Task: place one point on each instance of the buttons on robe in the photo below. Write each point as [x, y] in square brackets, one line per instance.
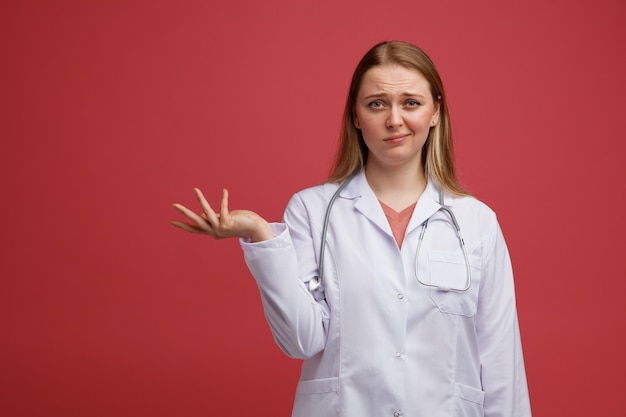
[398, 354]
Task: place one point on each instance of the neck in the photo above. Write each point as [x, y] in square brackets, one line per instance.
[399, 187]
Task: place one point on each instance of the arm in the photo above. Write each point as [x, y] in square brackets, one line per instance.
[297, 321]
[281, 267]
[502, 363]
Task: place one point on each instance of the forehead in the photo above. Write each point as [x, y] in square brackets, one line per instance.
[393, 79]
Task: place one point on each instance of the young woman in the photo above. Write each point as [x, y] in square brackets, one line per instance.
[391, 283]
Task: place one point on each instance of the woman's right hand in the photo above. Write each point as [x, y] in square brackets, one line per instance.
[237, 223]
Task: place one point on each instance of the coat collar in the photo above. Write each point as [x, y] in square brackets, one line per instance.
[367, 204]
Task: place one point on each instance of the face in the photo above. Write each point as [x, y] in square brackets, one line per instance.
[394, 110]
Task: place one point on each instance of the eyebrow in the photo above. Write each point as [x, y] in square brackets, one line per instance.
[379, 95]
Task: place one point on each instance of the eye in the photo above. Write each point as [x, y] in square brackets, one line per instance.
[376, 104]
[413, 103]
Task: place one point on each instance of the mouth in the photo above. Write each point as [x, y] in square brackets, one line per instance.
[396, 138]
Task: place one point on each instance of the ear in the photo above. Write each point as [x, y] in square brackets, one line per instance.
[355, 120]
[435, 118]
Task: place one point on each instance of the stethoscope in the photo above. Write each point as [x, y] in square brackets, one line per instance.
[315, 284]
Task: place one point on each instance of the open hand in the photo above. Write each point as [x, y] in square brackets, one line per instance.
[237, 223]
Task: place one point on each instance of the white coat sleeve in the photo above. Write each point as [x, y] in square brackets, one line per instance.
[502, 363]
[297, 320]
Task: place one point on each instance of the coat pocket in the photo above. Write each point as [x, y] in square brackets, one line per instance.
[448, 270]
[317, 397]
[468, 401]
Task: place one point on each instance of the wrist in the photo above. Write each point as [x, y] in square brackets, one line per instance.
[262, 231]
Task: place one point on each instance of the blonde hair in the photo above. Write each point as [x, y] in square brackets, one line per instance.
[438, 152]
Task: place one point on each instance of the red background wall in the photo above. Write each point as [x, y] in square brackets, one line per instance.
[113, 110]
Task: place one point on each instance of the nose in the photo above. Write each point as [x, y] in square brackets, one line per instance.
[394, 118]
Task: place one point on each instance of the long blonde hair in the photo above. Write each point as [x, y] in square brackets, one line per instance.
[438, 152]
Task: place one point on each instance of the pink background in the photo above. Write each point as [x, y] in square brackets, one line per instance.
[113, 110]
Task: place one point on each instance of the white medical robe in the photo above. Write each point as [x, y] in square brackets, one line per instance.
[379, 343]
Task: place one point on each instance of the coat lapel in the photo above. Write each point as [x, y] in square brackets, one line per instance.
[365, 202]
[427, 205]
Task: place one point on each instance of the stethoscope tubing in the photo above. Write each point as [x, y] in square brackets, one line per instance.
[457, 229]
[315, 283]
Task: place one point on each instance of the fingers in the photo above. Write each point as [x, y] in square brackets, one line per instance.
[208, 222]
[224, 204]
[209, 214]
[200, 225]
[187, 227]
